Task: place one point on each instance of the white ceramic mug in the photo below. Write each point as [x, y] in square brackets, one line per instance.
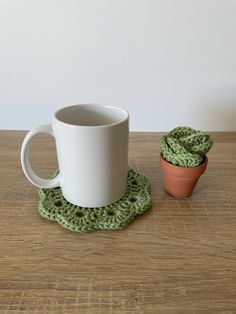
[92, 152]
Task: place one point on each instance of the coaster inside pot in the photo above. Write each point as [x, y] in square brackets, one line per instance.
[137, 199]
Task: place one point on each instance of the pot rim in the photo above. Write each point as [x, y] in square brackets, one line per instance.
[181, 171]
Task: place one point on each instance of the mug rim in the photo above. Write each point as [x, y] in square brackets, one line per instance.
[94, 105]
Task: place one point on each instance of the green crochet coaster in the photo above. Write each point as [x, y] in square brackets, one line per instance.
[137, 199]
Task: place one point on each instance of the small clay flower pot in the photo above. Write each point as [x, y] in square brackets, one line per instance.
[180, 181]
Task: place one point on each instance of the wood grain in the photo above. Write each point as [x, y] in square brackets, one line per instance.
[179, 257]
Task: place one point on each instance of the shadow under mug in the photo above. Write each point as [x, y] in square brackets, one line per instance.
[92, 152]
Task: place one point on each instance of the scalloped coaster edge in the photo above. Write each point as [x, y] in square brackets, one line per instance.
[136, 200]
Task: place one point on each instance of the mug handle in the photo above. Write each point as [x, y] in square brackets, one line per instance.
[25, 163]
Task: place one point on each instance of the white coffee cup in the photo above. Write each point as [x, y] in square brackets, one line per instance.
[92, 152]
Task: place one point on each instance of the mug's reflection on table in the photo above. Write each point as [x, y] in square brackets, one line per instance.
[178, 257]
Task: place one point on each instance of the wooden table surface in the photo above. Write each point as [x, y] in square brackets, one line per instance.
[178, 257]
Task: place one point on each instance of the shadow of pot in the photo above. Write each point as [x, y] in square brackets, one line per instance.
[180, 181]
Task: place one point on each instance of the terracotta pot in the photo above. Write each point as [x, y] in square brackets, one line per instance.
[180, 181]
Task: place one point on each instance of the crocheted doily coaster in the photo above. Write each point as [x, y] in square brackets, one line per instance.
[136, 200]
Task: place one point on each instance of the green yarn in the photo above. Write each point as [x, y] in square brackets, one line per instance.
[184, 146]
[136, 200]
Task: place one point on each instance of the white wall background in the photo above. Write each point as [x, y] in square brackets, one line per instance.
[168, 62]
